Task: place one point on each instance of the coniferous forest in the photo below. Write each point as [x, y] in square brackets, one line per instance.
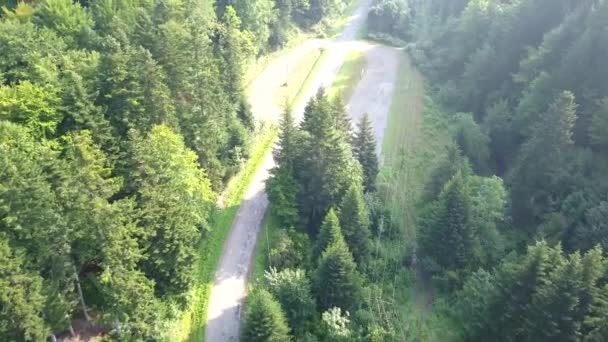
[510, 238]
[120, 122]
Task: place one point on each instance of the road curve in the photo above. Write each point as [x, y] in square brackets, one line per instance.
[230, 283]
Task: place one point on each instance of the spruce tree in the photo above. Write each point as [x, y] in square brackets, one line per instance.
[328, 234]
[175, 199]
[537, 180]
[337, 279]
[328, 166]
[354, 220]
[341, 119]
[364, 147]
[264, 319]
[21, 298]
[288, 147]
[447, 235]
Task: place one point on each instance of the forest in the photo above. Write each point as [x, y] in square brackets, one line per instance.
[510, 230]
[120, 123]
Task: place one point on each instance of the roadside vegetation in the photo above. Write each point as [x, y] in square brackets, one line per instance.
[121, 123]
[348, 77]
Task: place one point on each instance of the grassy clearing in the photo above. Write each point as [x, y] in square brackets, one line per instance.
[299, 78]
[191, 326]
[349, 76]
[414, 141]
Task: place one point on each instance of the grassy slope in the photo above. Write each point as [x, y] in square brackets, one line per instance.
[414, 142]
[349, 76]
[299, 79]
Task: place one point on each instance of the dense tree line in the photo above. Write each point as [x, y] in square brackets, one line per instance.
[322, 192]
[119, 123]
[525, 84]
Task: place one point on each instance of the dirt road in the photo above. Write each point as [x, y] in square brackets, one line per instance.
[230, 283]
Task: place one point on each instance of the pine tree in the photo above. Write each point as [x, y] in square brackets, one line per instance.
[264, 319]
[175, 200]
[329, 234]
[286, 154]
[364, 147]
[354, 220]
[328, 166]
[337, 279]
[21, 298]
[341, 119]
[282, 187]
[447, 236]
[536, 178]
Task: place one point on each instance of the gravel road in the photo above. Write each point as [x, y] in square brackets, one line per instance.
[230, 284]
[375, 90]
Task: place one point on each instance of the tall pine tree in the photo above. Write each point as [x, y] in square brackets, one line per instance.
[329, 234]
[354, 220]
[364, 147]
[264, 319]
[337, 279]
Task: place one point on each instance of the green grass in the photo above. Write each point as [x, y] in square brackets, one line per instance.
[299, 78]
[309, 77]
[268, 235]
[191, 326]
[414, 141]
[349, 76]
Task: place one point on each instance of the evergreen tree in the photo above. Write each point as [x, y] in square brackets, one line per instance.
[282, 187]
[447, 235]
[536, 179]
[364, 146]
[328, 234]
[337, 279]
[264, 319]
[132, 90]
[599, 125]
[354, 220]
[257, 16]
[288, 150]
[69, 19]
[472, 141]
[21, 299]
[292, 289]
[236, 48]
[175, 200]
[328, 166]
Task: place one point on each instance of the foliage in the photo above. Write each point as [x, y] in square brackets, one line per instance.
[329, 234]
[264, 319]
[175, 199]
[545, 295]
[336, 325]
[364, 146]
[337, 280]
[290, 250]
[354, 220]
[293, 290]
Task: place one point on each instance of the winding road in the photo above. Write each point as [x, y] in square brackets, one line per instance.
[373, 95]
